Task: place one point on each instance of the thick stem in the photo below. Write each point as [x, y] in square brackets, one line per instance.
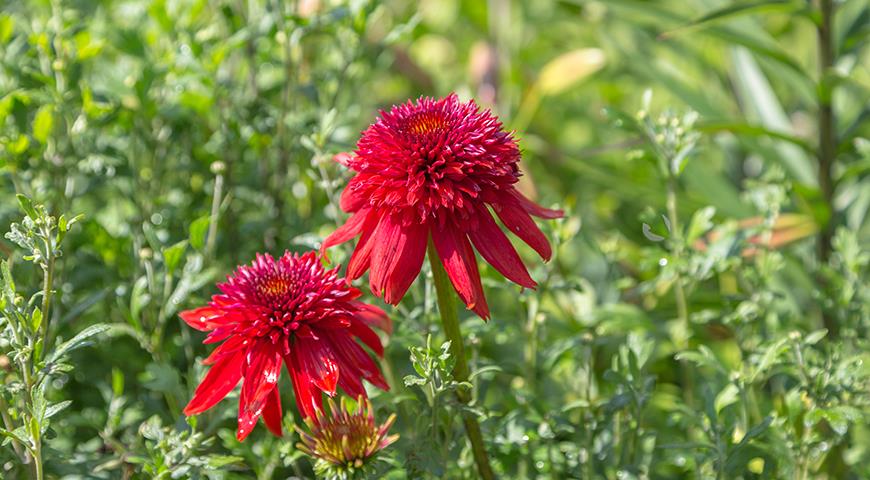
[827, 140]
[450, 322]
[47, 284]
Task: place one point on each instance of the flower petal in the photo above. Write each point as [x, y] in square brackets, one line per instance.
[204, 319]
[521, 224]
[272, 412]
[308, 400]
[366, 335]
[373, 316]
[397, 257]
[535, 209]
[351, 354]
[495, 247]
[317, 361]
[351, 199]
[459, 261]
[350, 229]
[221, 378]
[360, 259]
[261, 377]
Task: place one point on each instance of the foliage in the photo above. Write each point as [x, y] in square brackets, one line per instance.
[705, 314]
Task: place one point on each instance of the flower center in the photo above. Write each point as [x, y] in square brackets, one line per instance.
[426, 122]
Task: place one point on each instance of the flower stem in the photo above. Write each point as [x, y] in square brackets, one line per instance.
[679, 291]
[450, 322]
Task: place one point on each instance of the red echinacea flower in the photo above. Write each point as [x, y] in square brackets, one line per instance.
[434, 168]
[290, 311]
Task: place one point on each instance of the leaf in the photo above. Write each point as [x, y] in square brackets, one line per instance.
[172, 256]
[770, 355]
[218, 461]
[736, 10]
[198, 231]
[16, 435]
[759, 98]
[43, 123]
[27, 206]
[569, 68]
[700, 224]
[815, 337]
[726, 397]
[56, 408]
[647, 232]
[81, 339]
[481, 371]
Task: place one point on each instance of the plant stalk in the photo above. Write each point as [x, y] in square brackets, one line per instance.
[679, 290]
[827, 141]
[450, 322]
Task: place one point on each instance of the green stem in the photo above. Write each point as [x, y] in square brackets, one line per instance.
[827, 142]
[679, 291]
[450, 322]
[47, 284]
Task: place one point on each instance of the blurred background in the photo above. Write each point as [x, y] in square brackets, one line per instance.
[705, 314]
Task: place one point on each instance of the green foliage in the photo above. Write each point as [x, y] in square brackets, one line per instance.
[705, 315]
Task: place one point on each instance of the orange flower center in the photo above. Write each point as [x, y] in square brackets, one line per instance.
[426, 122]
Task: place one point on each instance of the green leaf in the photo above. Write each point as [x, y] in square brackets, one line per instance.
[700, 224]
[27, 206]
[43, 123]
[80, 340]
[172, 256]
[198, 231]
[727, 396]
[736, 10]
[36, 319]
[56, 408]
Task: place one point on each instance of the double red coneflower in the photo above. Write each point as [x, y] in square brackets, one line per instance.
[434, 169]
[288, 311]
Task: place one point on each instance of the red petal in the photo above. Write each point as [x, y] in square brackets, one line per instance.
[495, 247]
[521, 224]
[204, 318]
[350, 229]
[343, 158]
[229, 347]
[272, 412]
[222, 377]
[458, 259]
[397, 257]
[317, 360]
[308, 400]
[535, 209]
[361, 256]
[351, 354]
[261, 377]
[367, 336]
[351, 199]
[374, 316]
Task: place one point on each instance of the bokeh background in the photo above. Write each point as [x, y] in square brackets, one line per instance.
[192, 134]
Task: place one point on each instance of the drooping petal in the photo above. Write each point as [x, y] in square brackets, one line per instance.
[495, 247]
[261, 377]
[360, 259]
[374, 316]
[231, 346]
[317, 360]
[535, 209]
[272, 414]
[367, 336]
[350, 229]
[308, 399]
[397, 257]
[458, 259]
[518, 222]
[351, 354]
[221, 378]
